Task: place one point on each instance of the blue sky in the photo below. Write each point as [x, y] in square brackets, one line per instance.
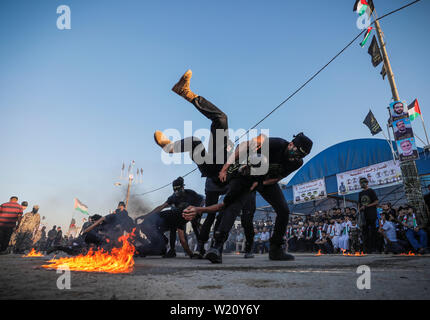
[75, 104]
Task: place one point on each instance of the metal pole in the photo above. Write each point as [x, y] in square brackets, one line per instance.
[409, 170]
[130, 179]
[425, 131]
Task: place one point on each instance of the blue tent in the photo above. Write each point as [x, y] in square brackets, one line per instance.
[346, 156]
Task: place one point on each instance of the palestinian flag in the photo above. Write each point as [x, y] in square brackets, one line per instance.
[366, 36]
[80, 206]
[414, 110]
[363, 6]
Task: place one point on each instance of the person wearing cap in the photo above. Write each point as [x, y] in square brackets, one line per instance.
[283, 158]
[10, 213]
[26, 230]
[367, 204]
[178, 201]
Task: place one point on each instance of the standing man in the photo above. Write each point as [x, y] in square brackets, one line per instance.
[24, 205]
[10, 213]
[368, 202]
[283, 158]
[58, 241]
[265, 237]
[52, 234]
[26, 230]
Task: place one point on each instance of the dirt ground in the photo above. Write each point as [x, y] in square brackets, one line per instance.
[308, 277]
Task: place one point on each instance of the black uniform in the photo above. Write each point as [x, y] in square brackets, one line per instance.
[178, 202]
[150, 238]
[214, 188]
[279, 167]
[370, 214]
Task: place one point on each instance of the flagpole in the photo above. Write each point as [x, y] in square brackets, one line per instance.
[130, 179]
[389, 137]
[411, 180]
[389, 143]
[425, 131]
[415, 135]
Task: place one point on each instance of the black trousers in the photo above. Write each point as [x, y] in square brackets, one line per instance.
[218, 144]
[274, 196]
[247, 218]
[369, 235]
[5, 234]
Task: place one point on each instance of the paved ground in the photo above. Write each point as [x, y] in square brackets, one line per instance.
[308, 277]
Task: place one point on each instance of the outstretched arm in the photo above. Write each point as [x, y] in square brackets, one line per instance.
[95, 224]
[184, 243]
[242, 149]
[191, 212]
[159, 208]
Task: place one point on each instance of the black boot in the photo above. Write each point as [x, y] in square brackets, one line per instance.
[214, 254]
[276, 252]
[170, 254]
[248, 250]
[201, 249]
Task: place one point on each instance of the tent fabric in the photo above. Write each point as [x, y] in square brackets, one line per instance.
[342, 157]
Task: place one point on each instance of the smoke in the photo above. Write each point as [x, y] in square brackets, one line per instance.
[137, 206]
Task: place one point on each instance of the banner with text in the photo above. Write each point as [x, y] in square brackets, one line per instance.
[380, 175]
[309, 191]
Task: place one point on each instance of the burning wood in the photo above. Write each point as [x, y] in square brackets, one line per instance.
[33, 253]
[119, 260]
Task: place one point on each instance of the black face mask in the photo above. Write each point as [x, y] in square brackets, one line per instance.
[179, 192]
[292, 155]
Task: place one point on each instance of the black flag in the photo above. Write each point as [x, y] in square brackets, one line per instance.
[374, 52]
[372, 124]
[383, 72]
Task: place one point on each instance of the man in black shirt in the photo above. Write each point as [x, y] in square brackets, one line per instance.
[150, 238]
[283, 158]
[368, 202]
[178, 201]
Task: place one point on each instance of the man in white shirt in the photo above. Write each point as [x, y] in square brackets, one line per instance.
[338, 227]
[344, 238]
[265, 236]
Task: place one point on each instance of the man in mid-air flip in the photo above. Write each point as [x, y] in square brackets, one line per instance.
[283, 158]
[209, 162]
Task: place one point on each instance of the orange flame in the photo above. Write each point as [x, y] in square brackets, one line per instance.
[357, 254]
[410, 253]
[33, 253]
[319, 253]
[119, 260]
